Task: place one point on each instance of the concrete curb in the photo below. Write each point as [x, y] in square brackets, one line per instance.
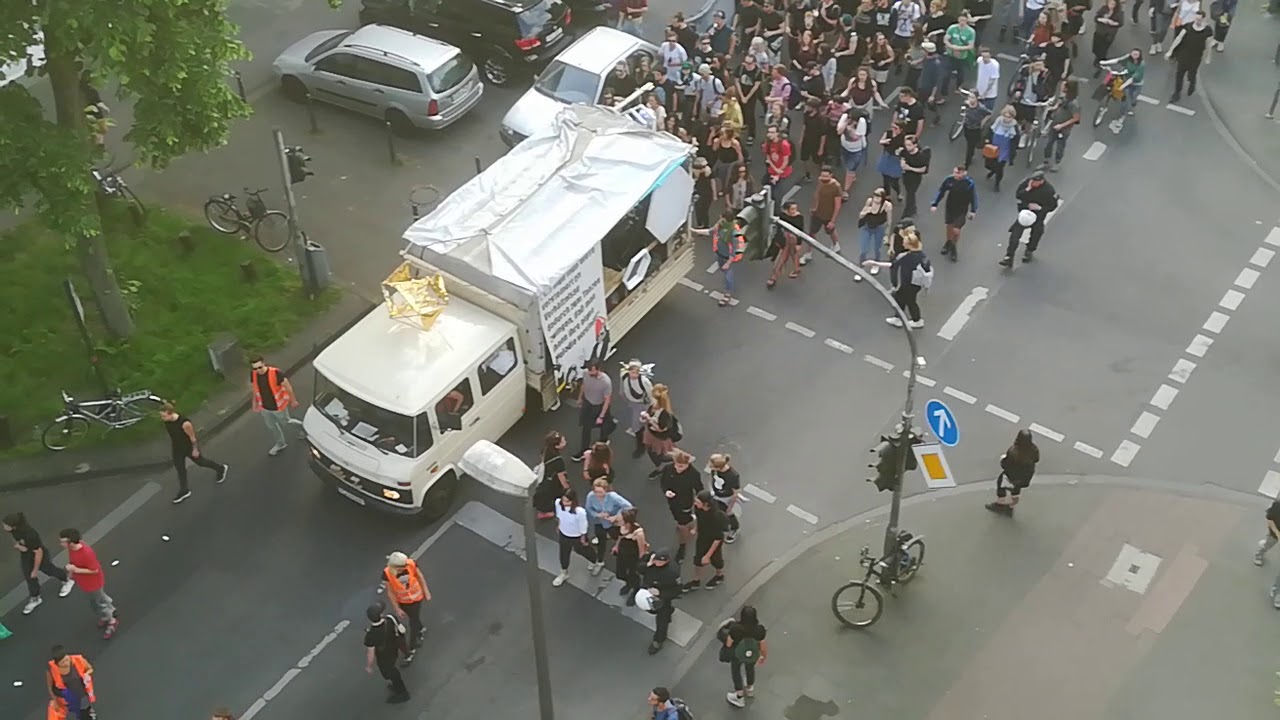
[1211, 109]
[698, 647]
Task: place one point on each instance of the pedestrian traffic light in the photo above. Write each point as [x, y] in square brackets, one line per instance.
[913, 439]
[297, 159]
[756, 221]
[886, 465]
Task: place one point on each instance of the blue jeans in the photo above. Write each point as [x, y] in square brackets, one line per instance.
[953, 65]
[1130, 98]
[631, 26]
[1055, 145]
[728, 273]
[869, 243]
[988, 103]
[1029, 18]
[1160, 21]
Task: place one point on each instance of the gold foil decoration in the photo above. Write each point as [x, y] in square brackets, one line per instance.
[416, 301]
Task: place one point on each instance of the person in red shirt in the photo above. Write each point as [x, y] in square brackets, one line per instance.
[83, 567]
[778, 157]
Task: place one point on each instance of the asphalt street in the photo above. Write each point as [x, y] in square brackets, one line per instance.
[255, 574]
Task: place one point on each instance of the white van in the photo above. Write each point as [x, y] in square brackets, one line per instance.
[395, 404]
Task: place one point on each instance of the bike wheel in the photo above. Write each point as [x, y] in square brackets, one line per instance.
[137, 211]
[64, 432]
[1101, 115]
[271, 231]
[914, 558]
[957, 130]
[222, 216]
[1032, 142]
[857, 604]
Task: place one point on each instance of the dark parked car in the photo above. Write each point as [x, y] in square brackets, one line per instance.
[508, 39]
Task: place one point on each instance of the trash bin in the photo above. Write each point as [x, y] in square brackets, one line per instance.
[317, 268]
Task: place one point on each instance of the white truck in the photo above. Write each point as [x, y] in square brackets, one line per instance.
[547, 257]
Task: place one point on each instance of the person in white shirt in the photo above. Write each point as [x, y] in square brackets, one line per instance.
[672, 55]
[571, 518]
[852, 129]
[905, 14]
[988, 84]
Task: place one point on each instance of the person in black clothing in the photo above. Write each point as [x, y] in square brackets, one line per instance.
[620, 83]
[720, 34]
[182, 436]
[902, 272]
[961, 195]
[709, 534]
[384, 640]
[726, 488]
[1017, 467]
[661, 578]
[686, 34]
[744, 648]
[1189, 49]
[746, 23]
[1057, 59]
[1272, 535]
[34, 559]
[1037, 195]
[749, 79]
[680, 483]
[915, 163]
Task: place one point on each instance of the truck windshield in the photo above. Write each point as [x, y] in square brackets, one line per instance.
[385, 430]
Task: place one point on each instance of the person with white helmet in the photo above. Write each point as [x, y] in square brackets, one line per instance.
[407, 590]
[1036, 199]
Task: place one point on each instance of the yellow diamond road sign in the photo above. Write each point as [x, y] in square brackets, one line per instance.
[934, 467]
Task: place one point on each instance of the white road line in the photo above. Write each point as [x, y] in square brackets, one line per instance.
[1002, 413]
[1216, 322]
[1262, 257]
[1182, 371]
[1179, 109]
[1199, 345]
[1231, 300]
[1043, 431]
[1148, 100]
[837, 345]
[1125, 454]
[800, 329]
[109, 522]
[762, 314]
[956, 322]
[886, 366]
[1089, 450]
[1095, 151]
[1273, 237]
[713, 268]
[1276, 459]
[1247, 278]
[1010, 58]
[927, 382]
[1145, 423]
[718, 296]
[759, 492]
[691, 284]
[959, 395]
[1164, 397]
[803, 514]
[1270, 484]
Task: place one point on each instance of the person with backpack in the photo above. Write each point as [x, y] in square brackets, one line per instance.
[743, 647]
[1017, 467]
[910, 272]
[636, 384]
[961, 196]
[662, 429]
[665, 707]
[384, 640]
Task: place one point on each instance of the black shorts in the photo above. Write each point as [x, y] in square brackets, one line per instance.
[717, 557]
[682, 517]
[1025, 113]
[958, 220]
[809, 151]
[817, 224]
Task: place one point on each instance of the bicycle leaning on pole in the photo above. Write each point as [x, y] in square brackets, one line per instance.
[859, 603]
[269, 228]
[116, 411]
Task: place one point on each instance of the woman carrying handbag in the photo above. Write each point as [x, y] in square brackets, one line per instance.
[1017, 467]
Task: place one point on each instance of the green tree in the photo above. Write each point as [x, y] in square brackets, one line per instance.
[170, 58]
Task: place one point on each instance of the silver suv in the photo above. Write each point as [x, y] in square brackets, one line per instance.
[407, 80]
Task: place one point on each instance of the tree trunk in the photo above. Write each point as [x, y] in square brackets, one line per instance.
[64, 78]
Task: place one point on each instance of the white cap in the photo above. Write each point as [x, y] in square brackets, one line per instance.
[704, 69]
[928, 46]
[397, 559]
[644, 600]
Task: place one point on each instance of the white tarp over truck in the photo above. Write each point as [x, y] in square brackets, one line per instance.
[582, 225]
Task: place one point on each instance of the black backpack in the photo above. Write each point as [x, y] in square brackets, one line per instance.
[682, 709]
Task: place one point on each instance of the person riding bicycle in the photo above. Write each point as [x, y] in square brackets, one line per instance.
[1134, 70]
[1030, 90]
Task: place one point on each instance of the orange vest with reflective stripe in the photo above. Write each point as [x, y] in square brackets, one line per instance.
[734, 246]
[78, 666]
[277, 389]
[405, 593]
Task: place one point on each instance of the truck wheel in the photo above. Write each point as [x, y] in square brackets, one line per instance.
[440, 497]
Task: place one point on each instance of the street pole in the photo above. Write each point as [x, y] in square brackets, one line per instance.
[908, 407]
[546, 710]
[295, 235]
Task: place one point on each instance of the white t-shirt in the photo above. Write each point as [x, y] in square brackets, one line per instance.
[673, 56]
[573, 523]
[988, 79]
[858, 141]
[908, 14]
[1187, 10]
[1035, 5]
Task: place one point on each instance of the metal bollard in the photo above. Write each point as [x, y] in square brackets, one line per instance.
[186, 244]
[248, 272]
[311, 115]
[1271, 113]
[240, 86]
[479, 167]
[391, 144]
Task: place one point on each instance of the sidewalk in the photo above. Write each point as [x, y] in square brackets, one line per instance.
[1239, 84]
[1103, 599]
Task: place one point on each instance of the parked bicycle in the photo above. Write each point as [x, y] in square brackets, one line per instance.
[269, 228]
[116, 411]
[859, 603]
[114, 187]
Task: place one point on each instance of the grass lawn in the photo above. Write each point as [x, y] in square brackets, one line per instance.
[180, 303]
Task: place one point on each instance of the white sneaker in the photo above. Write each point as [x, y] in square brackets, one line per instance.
[560, 579]
[31, 605]
[805, 258]
[735, 699]
[275, 449]
[875, 270]
[915, 324]
[597, 568]
[893, 321]
[66, 588]
[835, 247]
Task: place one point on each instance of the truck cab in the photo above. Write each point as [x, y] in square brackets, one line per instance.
[396, 405]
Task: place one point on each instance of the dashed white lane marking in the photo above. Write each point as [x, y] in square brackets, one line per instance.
[954, 324]
[1095, 151]
[713, 268]
[1199, 345]
[718, 296]
[691, 284]
[1148, 100]
[927, 382]
[1179, 109]
[1002, 413]
[757, 491]
[1273, 237]
[1010, 58]
[1262, 257]
[1125, 454]
[1043, 431]
[1145, 423]
[1216, 322]
[1164, 396]
[886, 366]
[803, 514]
[1089, 450]
[800, 329]
[1276, 459]
[837, 345]
[1246, 278]
[762, 314]
[1182, 371]
[1270, 484]
[959, 395]
[1231, 300]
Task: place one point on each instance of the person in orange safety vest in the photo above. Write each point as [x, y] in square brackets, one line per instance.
[272, 397]
[70, 682]
[407, 590]
[728, 244]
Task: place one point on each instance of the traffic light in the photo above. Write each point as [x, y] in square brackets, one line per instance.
[756, 221]
[886, 465]
[913, 439]
[297, 159]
